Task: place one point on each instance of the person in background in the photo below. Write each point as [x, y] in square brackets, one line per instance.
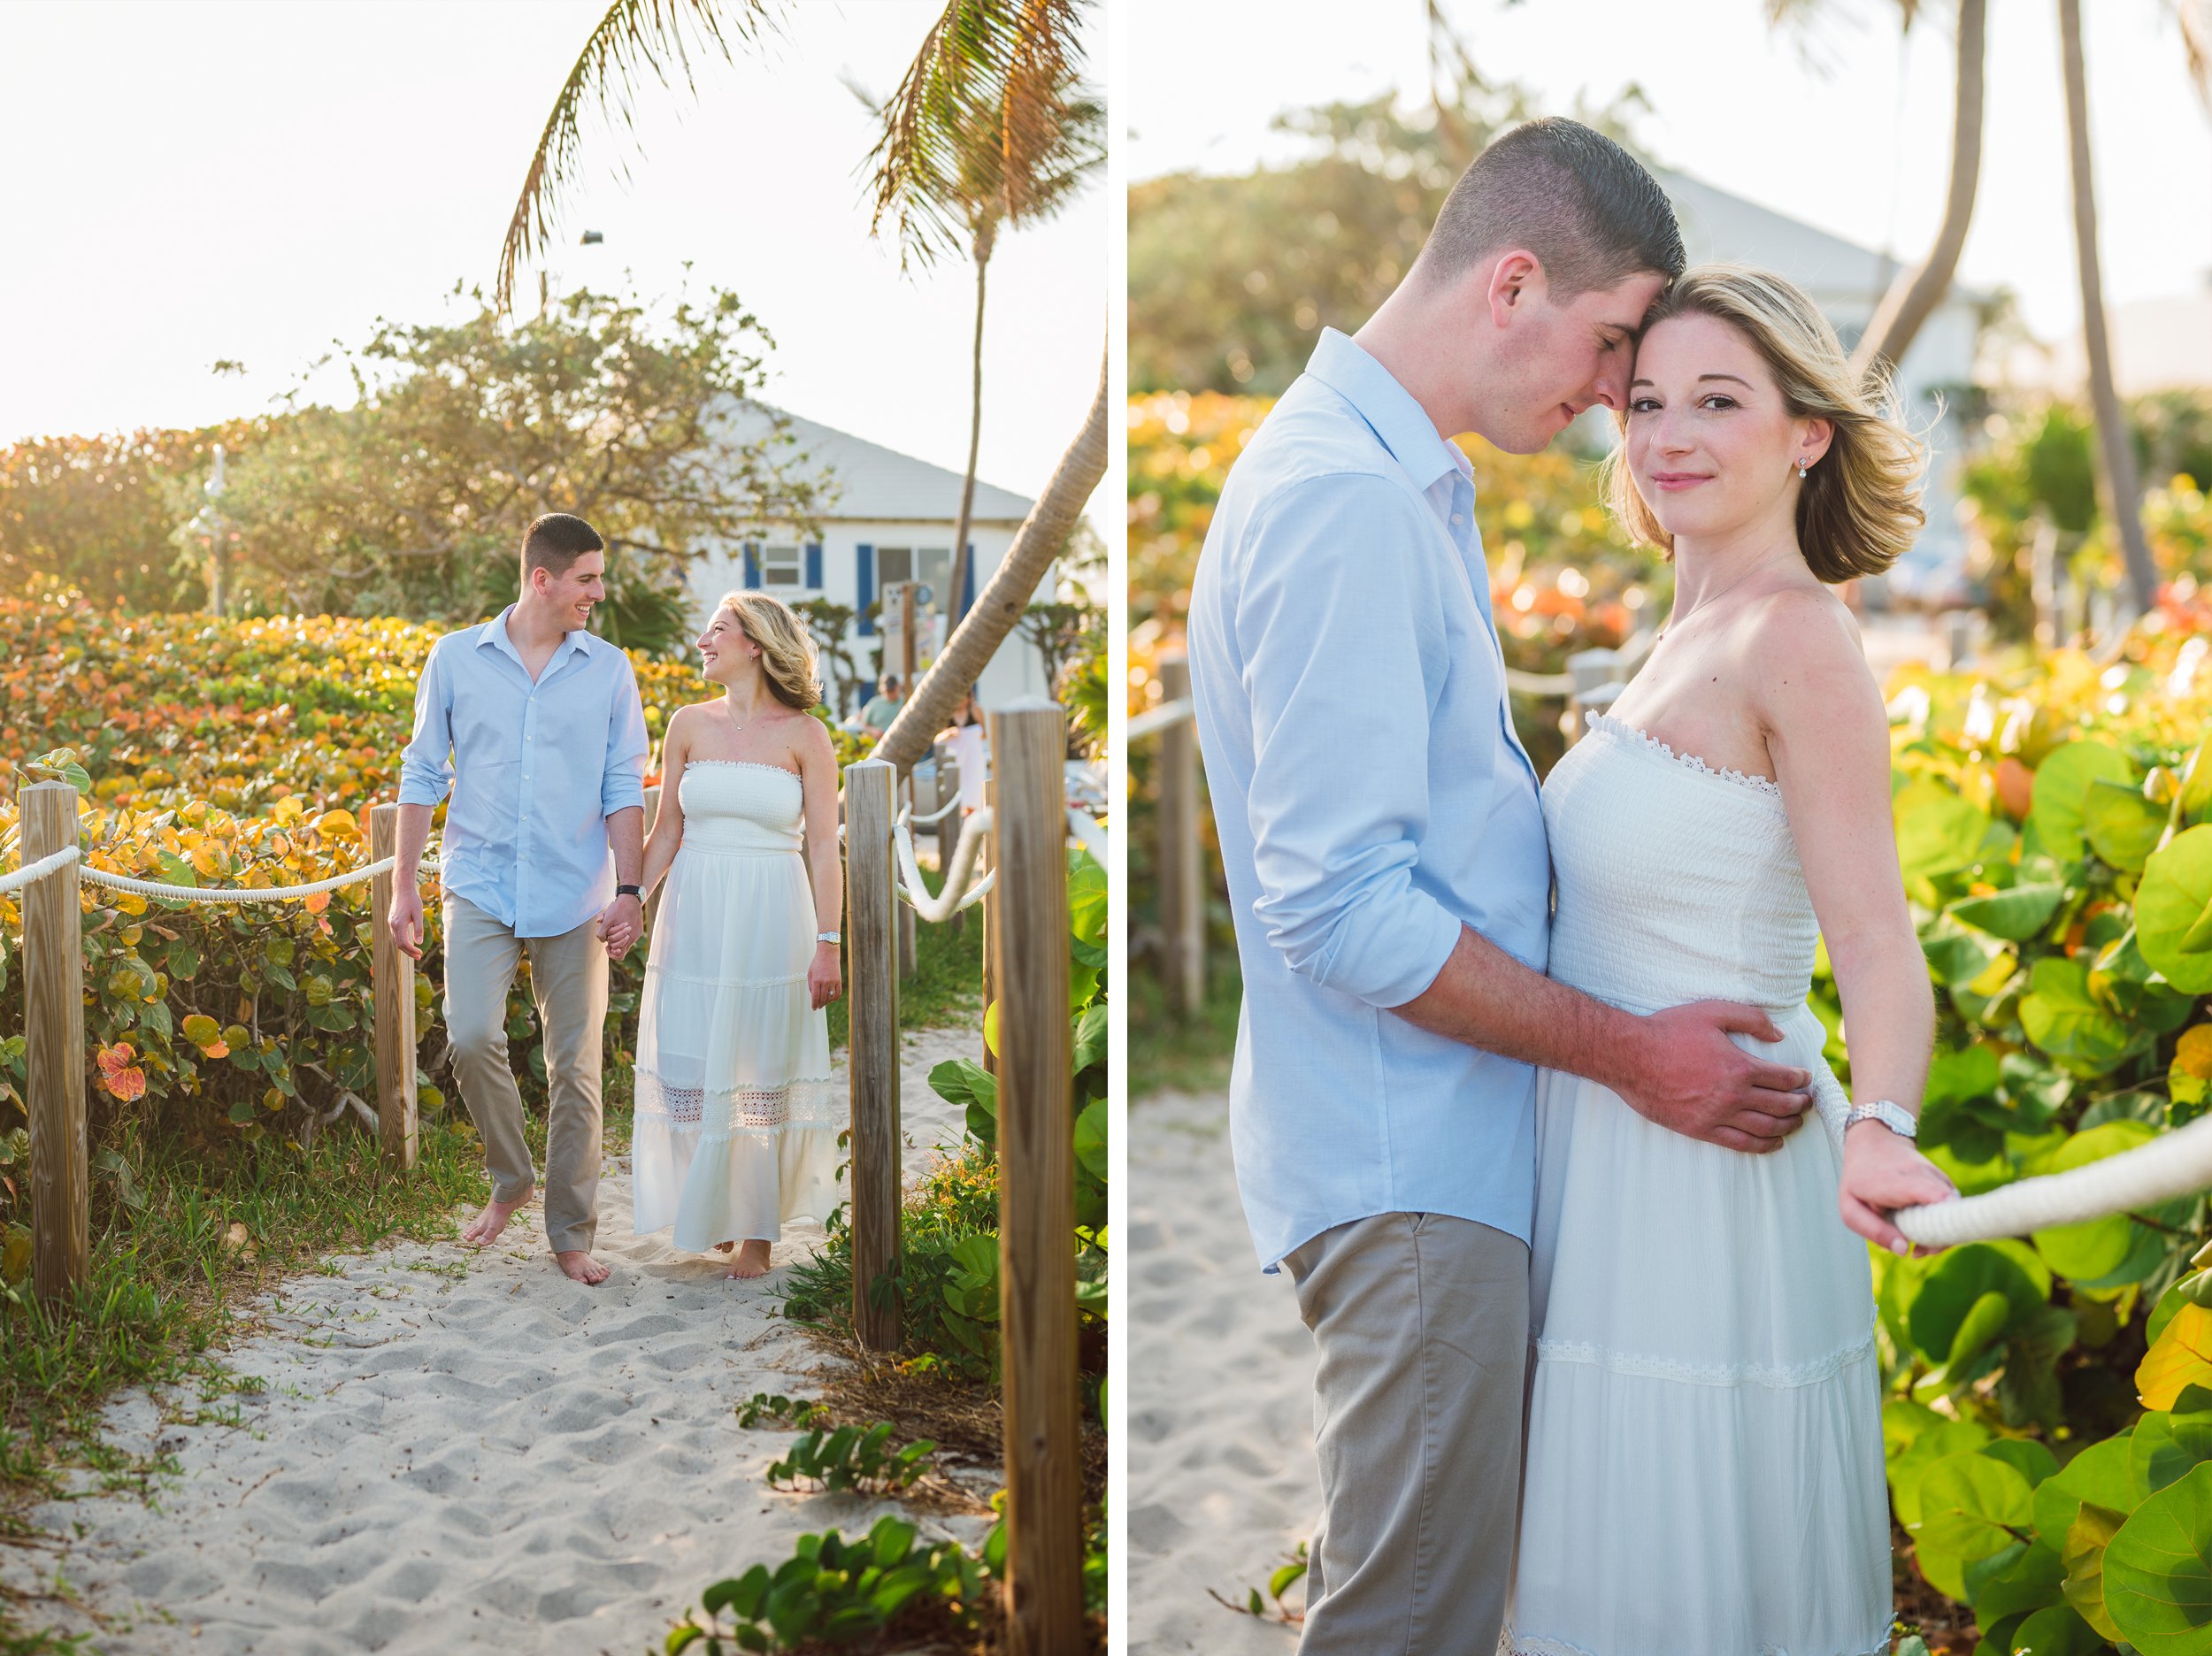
[963, 737]
[884, 706]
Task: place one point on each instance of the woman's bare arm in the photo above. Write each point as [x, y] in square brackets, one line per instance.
[668, 826]
[1828, 735]
[818, 785]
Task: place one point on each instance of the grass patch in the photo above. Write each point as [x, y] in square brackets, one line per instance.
[947, 986]
[1190, 1055]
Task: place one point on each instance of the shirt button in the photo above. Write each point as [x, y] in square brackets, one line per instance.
[1457, 520]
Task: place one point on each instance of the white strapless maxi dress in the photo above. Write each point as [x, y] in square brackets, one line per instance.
[737, 1120]
[1704, 1464]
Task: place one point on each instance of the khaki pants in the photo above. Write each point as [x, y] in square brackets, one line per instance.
[568, 977]
[1422, 1322]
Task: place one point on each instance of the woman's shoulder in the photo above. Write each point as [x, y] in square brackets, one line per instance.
[1807, 656]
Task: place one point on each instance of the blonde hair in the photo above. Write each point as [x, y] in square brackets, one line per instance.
[787, 652]
[1858, 509]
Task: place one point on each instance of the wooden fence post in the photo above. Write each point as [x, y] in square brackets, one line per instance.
[1036, 1152]
[1182, 888]
[872, 1060]
[53, 1017]
[392, 975]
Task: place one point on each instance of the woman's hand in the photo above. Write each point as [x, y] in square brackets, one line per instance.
[824, 982]
[1882, 1172]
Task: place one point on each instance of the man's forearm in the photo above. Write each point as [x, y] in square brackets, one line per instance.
[1485, 998]
[414, 834]
[625, 837]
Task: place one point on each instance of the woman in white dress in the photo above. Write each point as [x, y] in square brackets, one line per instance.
[737, 1122]
[1704, 1473]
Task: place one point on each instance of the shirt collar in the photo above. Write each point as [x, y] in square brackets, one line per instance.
[496, 633]
[1387, 407]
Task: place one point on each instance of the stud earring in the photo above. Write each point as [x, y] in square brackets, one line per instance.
[1802, 464]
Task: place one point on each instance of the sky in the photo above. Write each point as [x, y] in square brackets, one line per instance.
[1847, 129]
[196, 181]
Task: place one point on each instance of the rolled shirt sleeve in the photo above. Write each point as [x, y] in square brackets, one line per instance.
[426, 770]
[1340, 793]
[622, 783]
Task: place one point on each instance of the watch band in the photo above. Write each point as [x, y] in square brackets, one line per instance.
[1894, 1116]
[828, 937]
[628, 891]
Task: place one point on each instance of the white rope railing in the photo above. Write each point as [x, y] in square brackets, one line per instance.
[1532, 684]
[953, 898]
[2178, 1163]
[1088, 833]
[1152, 721]
[233, 893]
[52, 864]
[937, 815]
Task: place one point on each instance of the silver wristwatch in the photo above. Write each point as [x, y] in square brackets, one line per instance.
[1894, 1116]
[827, 937]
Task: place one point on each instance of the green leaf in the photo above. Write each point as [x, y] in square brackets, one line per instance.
[2084, 1559]
[2170, 907]
[2164, 1448]
[2032, 1580]
[1090, 1139]
[2058, 809]
[1971, 1506]
[1090, 1038]
[2066, 1021]
[60, 765]
[2015, 915]
[2099, 1474]
[1960, 1279]
[1984, 1320]
[2124, 827]
[2028, 1390]
[2058, 1631]
[2158, 1570]
[1938, 833]
[2087, 1252]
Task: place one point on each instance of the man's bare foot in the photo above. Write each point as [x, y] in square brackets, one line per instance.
[581, 1267]
[752, 1259]
[485, 1227]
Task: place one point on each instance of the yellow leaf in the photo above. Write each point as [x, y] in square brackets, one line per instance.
[338, 822]
[2193, 1053]
[2180, 1357]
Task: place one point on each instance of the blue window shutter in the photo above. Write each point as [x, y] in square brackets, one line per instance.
[814, 566]
[865, 587]
[967, 586]
[752, 564]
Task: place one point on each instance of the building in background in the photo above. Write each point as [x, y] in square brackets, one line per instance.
[886, 518]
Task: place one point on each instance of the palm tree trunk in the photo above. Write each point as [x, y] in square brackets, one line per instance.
[975, 437]
[999, 606]
[2115, 448]
[1912, 298]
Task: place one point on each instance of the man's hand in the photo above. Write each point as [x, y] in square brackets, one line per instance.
[1883, 1172]
[405, 921]
[1690, 1078]
[621, 924]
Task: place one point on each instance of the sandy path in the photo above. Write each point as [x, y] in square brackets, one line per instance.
[460, 1451]
[1222, 1482]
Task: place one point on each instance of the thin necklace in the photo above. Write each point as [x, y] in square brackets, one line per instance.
[1707, 604]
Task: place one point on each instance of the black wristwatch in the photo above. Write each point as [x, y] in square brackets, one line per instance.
[628, 891]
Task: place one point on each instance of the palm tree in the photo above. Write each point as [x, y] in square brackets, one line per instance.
[943, 173]
[1912, 297]
[1000, 66]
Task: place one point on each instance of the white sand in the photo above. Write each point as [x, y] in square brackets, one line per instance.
[1222, 1481]
[460, 1451]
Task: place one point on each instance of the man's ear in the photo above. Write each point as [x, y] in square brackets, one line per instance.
[1514, 279]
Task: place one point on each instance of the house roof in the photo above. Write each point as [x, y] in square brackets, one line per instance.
[1718, 226]
[866, 482]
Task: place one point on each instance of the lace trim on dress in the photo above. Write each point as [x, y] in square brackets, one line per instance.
[750, 1110]
[1776, 1375]
[1645, 739]
[752, 764]
[1510, 1643]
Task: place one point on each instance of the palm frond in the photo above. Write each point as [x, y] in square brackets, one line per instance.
[988, 108]
[636, 38]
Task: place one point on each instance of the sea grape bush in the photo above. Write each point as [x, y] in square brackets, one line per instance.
[2049, 1409]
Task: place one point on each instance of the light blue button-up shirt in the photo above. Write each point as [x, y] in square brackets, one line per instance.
[535, 769]
[1371, 798]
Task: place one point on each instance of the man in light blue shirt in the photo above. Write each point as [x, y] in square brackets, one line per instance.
[1384, 846]
[537, 727]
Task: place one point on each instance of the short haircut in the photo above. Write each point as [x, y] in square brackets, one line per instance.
[554, 541]
[1582, 204]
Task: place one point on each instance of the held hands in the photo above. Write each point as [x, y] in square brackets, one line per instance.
[824, 982]
[1883, 1172]
[1690, 1078]
[621, 924]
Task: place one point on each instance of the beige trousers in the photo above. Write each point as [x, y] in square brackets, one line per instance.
[568, 978]
[1422, 1322]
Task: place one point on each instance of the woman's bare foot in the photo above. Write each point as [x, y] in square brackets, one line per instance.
[723, 1247]
[579, 1266]
[485, 1227]
[752, 1259]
